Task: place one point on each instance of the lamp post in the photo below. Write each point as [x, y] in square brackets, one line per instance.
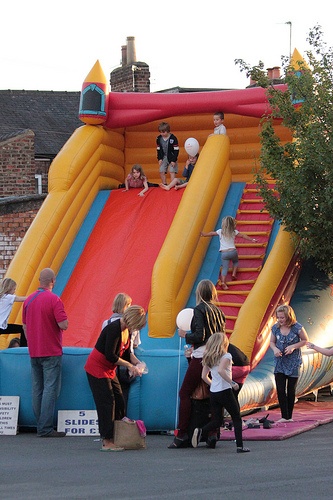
[290, 29]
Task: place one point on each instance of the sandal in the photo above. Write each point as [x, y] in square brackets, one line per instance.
[114, 448]
[224, 286]
[179, 443]
[264, 420]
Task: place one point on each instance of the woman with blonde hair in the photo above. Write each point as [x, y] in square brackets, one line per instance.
[217, 373]
[287, 338]
[207, 319]
[7, 299]
[110, 351]
[120, 303]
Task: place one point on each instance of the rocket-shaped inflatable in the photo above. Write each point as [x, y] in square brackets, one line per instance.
[94, 97]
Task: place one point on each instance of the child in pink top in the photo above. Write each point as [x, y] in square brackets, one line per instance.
[137, 179]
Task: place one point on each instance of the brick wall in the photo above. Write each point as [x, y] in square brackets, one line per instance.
[19, 198]
[17, 165]
[16, 216]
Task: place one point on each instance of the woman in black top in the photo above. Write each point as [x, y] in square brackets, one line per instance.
[111, 350]
[207, 320]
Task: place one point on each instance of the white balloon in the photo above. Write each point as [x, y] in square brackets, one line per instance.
[191, 146]
[184, 319]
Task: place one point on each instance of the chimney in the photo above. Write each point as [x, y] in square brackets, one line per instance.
[270, 73]
[131, 53]
[132, 75]
[274, 73]
[123, 55]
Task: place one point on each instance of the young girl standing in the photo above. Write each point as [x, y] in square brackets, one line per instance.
[7, 299]
[287, 338]
[218, 362]
[227, 235]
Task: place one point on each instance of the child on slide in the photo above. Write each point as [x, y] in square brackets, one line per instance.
[227, 235]
[187, 172]
[136, 179]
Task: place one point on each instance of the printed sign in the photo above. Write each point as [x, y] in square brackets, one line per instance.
[9, 408]
[78, 422]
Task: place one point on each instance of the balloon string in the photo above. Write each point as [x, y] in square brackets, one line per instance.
[178, 382]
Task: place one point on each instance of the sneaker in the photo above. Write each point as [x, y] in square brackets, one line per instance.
[243, 450]
[54, 434]
[251, 421]
[196, 437]
[253, 425]
[211, 442]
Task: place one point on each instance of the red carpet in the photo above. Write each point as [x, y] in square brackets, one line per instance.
[307, 415]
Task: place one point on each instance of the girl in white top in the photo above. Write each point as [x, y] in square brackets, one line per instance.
[216, 372]
[227, 235]
[7, 299]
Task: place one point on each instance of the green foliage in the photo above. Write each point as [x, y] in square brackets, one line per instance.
[301, 168]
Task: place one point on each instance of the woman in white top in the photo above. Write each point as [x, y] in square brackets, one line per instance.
[216, 372]
[7, 299]
[227, 235]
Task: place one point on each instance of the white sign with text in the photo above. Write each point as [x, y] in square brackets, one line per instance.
[78, 422]
[9, 408]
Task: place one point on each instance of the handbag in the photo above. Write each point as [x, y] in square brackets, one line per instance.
[201, 391]
[127, 435]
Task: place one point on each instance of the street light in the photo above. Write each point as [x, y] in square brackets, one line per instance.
[290, 28]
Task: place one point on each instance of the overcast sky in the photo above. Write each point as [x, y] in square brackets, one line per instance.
[53, 46]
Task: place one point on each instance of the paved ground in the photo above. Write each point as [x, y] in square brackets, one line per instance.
[74, 468]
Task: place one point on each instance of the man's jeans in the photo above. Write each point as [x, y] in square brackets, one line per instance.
[46, 384]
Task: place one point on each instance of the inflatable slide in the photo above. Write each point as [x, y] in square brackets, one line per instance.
[101, 240]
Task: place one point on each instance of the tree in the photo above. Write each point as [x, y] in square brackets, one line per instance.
[302, 168]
